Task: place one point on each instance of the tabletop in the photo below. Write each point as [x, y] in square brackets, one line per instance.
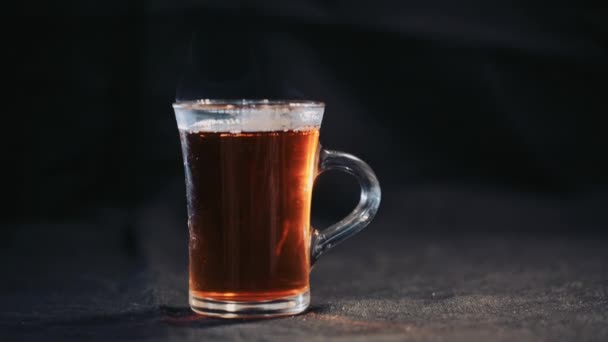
[124, 277]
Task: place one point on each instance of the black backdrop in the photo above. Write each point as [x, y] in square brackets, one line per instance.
[479, 104]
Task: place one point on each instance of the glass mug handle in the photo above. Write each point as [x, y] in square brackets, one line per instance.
[363, 213]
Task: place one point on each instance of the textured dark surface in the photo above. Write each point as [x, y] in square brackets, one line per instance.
[124, 277]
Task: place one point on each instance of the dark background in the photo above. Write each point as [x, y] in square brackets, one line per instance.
[475, 97]
[484, 121]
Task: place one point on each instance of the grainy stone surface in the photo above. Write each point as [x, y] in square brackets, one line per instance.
[125, 278]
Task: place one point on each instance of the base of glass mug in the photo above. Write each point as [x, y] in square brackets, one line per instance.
[284, 306]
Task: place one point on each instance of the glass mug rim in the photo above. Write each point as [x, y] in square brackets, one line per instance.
[248, 115]
[204, 104]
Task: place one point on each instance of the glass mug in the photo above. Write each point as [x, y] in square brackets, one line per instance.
[250, 167]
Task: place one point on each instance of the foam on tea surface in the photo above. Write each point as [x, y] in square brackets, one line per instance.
[248, 116]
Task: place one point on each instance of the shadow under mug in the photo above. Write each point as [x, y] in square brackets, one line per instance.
[250, 167]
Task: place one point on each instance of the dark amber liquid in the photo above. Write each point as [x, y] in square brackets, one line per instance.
[249, 197]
